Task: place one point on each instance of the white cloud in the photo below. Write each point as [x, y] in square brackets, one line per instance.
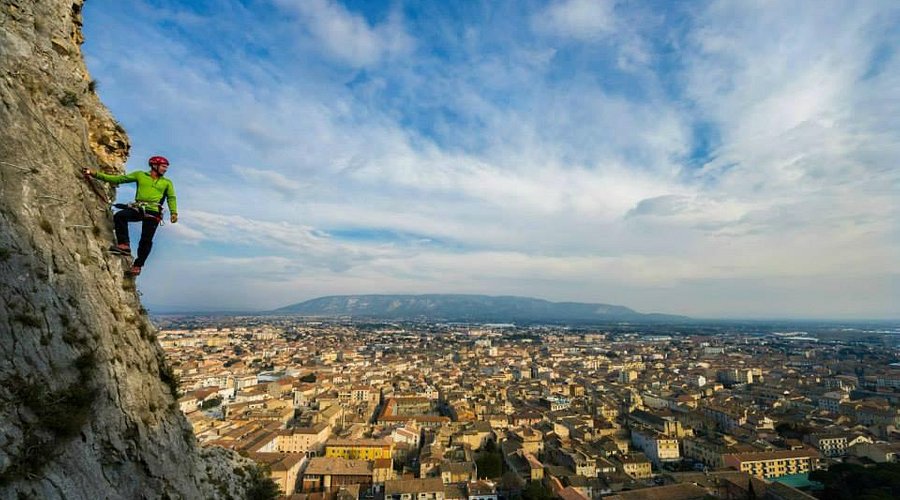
[582, 19]
[270, 179]
[348, 36]
[237, 229]
[185, 233]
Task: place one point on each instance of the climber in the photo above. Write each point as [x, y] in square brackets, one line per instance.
[152, 190]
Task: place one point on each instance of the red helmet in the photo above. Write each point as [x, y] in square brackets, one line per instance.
[158, 160]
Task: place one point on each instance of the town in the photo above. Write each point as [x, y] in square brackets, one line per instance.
[435, 411]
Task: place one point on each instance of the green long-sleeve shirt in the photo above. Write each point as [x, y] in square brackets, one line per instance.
[150, 191]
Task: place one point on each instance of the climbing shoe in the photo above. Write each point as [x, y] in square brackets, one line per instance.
[121, 249]
[134, 271]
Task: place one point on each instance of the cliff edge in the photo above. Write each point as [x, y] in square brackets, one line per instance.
[87, 402]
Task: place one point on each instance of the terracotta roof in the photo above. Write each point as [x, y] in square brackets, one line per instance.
[400, 486]
[454, 492]
[277, 461]
[670, 492]
[570, 493]
[338, 466]
[357, 442]
[382, 463]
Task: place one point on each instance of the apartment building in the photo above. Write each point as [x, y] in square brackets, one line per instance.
[667, 426]
[324, 473]
[284, 468]
[829, 445]
[656, 446]
[878, 452]
[635, 465]
[414, 489]
[769, 464]
[727, 418]
[706, 450]
[309, 441]
[458, 472]
[831, 401]
[359, 449]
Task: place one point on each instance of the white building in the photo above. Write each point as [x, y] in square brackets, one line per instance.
[658, 448]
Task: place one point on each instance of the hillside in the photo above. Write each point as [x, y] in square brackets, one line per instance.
[479, 308]
[87, 402]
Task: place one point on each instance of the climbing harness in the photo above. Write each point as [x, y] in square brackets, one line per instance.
[142, 210]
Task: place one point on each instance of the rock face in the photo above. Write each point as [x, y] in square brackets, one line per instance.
[87, 402]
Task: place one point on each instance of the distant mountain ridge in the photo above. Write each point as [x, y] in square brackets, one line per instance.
[479, 308]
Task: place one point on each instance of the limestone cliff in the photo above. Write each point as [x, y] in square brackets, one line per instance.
[87, 402]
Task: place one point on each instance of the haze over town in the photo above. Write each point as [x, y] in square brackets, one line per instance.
[711, 159]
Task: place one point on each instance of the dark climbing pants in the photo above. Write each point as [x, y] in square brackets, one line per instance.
[149, 222]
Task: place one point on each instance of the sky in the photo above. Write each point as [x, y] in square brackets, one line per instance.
[717, 159]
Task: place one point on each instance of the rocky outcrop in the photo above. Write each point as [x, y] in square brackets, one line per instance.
[87, 402]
